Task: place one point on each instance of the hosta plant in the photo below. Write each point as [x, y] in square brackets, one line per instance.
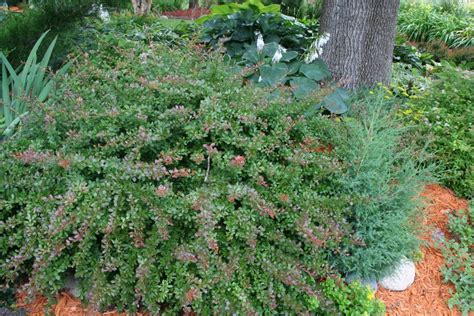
[273, 50]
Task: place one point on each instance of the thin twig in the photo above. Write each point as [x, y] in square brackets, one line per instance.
[208, 168]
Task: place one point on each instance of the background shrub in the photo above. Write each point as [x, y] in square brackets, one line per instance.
[426, 23]
[19, 32]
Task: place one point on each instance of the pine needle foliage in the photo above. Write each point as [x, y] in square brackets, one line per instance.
[382, 182]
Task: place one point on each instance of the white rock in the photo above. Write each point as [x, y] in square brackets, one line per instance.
[72, 285]
[402, 277]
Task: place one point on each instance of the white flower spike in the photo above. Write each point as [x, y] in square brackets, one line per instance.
[104, 14]
[278, 54]
[260, 42]
[316, 48]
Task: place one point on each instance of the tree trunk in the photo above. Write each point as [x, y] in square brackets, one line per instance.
[193, 4]
[361, 39]
[142, 7]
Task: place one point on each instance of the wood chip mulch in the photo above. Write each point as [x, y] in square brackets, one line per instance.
[428, 295]
[15, 9]
[67, 305]
[189, 14]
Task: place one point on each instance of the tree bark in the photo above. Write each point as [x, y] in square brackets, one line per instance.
[361, 39]
[142, 7]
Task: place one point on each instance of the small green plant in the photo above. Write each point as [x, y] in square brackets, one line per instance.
[353, 299]
[459, 256]
[443, 112]
[409, 54]
[19, 90]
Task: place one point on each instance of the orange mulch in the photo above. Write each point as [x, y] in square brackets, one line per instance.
[67, 305]
[15, 9]
[428, 295]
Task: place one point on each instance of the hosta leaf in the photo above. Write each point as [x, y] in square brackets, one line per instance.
[294, 67]
[303, 87]
[270, 49]
[273, 74]
[272, 38]
[316, 70]
[288, 56]
[336, 102]
[244, 34]
[235, 49]
[251, 55]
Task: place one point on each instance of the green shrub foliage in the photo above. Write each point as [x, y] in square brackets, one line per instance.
[62, 18]
[163, 184]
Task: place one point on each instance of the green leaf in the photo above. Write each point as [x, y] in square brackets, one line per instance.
[270, 49]
[303, 87]
[64, 69]
[315, 71]
[6, 96]
[45, 91]
[294, 67]
[251, 55]
[288, 56]
[336, 101]
[273, 74]
[32, 58]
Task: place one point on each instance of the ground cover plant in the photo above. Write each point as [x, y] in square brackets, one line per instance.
[460, 258]
[163, 184]
[443, 112]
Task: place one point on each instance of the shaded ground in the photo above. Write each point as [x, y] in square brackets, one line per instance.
[428, 295]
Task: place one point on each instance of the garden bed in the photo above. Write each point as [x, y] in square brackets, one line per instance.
[189, 14]
[429, 294]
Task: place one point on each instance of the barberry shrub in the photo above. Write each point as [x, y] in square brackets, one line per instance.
[163, 184]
